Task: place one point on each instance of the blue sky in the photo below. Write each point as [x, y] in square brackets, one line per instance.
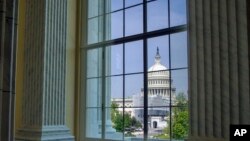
[157, 19]
[134, 62]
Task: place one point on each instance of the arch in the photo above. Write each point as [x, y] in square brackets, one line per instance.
[154, 124]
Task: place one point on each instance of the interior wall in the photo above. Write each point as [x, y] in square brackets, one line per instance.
[20, 63]
[71, 91]
[70, 83]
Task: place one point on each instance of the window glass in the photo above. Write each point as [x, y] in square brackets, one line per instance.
[95, 8]
[94, 63]
[114, 5]
[114, 91]
[132, 2]
[178, 14]
[121, 57]
[93, 123]
[158, 123]
[134, 20]
[114, 60]
[157, 17]
[179, 50]
[114, 25]
[134, 90]
[158, 53]
[134, 57]
[94, 93]
[95, 30]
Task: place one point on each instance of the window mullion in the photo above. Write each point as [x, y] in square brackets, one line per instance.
[145, 70]
[103, 22]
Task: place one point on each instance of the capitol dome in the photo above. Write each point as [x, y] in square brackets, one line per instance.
[158, 79]
[157, 66]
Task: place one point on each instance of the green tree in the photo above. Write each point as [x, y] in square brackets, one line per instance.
[114, 110]
[180, 125]
[180, 117]
[117, 119]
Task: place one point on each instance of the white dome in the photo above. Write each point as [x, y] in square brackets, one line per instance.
[157, 67]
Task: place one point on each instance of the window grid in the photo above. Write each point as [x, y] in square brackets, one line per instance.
[144, 37]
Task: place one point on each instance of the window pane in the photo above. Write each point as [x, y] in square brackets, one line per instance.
[114, 91]
[134, 89]
[134, 57]
[95, 30]
[114, 124]
[94, 62]
[132, 2]
[94, 92]
[158, 59]
[178, 14]
[133, 20]
[180, 123]
[180, 81]
[114, 28]
[133, 124]
[159, 88]
[95, 8]
[114, 60]
[113, 5]
[93, 123]
[158, 123]
[179, 50]
[157, 15]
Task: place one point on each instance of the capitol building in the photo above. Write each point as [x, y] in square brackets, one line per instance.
[159, 91]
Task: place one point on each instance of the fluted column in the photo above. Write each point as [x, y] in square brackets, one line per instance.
[43, 109]
[8, 19]
[219, 67]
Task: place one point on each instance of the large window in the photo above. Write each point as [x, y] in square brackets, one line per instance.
[135, 80]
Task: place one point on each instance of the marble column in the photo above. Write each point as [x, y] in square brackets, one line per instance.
[43, 109]
[8, 17]
[219, 67]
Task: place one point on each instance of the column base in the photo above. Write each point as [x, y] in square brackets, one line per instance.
[49, 133]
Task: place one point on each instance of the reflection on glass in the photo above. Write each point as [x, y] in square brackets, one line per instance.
[179, 50]
[132, 2]
[134, 57]
[114, 60]
[94, 62]
[178, 14]
[161, 44]
[114, 91]
[158, 123]
[157, 17]
[119, 103]
[115, 22]
[94, 92]
[93, 123]
[114, 123]
[95, 30]
[94, 8]
[134, 22]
